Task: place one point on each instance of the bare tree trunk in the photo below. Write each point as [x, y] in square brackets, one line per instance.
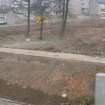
[28, 20]
[41, 26]
[63, 10]
[65, 13]
[41, 29]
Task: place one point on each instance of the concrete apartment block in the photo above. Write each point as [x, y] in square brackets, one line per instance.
[93, 7]
[79, 7]
[75, 7]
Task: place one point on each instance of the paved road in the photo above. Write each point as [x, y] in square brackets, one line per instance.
[9, 102]
[63, 56]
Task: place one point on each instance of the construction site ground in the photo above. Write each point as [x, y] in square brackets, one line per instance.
[42, 80]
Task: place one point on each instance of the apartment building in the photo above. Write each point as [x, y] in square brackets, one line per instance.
[97, 7]
[101, 8]
[93, 7]
[79, 7]
[85, 7]
[75, 7]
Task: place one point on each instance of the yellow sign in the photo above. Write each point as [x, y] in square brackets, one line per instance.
[39, 19]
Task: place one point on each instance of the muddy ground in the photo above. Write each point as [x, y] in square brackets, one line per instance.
[38, 80]
[41, 81]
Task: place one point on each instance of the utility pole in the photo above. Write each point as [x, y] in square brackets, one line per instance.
[28, 20]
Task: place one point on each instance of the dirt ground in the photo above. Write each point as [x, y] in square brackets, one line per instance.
[82, 37]
[38, 80]
[42, 81]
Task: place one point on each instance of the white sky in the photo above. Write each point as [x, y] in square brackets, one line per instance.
[5, 1]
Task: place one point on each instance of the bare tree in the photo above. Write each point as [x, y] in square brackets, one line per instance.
[42, 25]
[64, 16]
[4, 9]
[62, 7]
[28, 19]
[40, 7]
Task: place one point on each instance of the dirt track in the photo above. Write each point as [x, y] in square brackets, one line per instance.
[54, 55]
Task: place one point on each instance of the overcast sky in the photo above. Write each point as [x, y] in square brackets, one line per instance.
[101, 1]
[5, 1]
[9, 1]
